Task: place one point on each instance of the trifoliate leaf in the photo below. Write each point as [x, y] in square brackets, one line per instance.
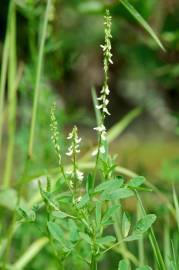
[110, 185]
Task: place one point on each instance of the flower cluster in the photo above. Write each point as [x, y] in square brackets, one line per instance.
[73, 150]
[55, 133]
[103, 99]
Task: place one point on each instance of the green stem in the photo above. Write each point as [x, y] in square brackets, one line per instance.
[11, 94]
[37, 82]
[93, 265]
[3, 81]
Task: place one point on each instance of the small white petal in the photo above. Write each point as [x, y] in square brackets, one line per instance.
[106, 101]
[70, 136]
[98, 107]
[79, 199]
[102, 150]
[106, 90]
[100, 128]
[78, 140]
[110, 61]
[80, 175]
[105, 110]
[69, 153]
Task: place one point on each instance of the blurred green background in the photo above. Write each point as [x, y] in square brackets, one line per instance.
[142, 75]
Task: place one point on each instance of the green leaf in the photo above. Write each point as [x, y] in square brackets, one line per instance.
[125, 225]
[123, 265]
[142, 22]
[141, 227]
[89, 183]
[121, 193]
[146, 267]
[110, 185]
[106, 240]
[145, 223]
[136, 181]
[84, 200]
[73, 230]
[86, 238]
[55, 231]
[28, 215]
[59, 214]
[109, 213]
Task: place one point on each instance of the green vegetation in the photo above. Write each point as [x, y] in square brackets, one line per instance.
[68, 202]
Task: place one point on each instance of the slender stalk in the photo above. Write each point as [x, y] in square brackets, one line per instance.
[11, 94]
[93, 265]
[102, 107]
[97, 161]
[9, 241]
[166, 248]
[38, 77]
[3, 81]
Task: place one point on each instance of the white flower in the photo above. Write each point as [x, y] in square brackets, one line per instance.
[69, 153]
[106, 101]
[105, 90]
[101, 128]
[110, 60]
[70, 136]
[105, 110]
[102, 150]
[78, 199]
[98, 107]
[79, 175]
[103, 47]
[74, 147]
[77, 140]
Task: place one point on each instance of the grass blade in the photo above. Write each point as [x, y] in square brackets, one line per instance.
[3, 81]
[11, 93]
[118, 128]
[142, 22]
[30, 253]
[176, 203]
[38, 76]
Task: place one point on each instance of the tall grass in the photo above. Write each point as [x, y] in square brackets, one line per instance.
[12, 93]
[38, 78]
